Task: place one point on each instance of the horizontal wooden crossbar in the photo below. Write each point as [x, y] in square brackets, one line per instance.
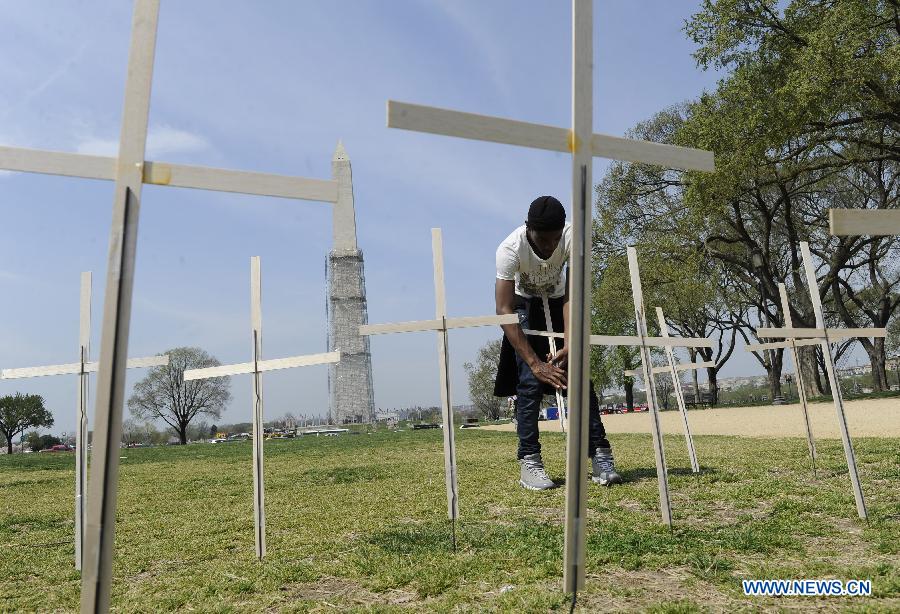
[872, 222]
[686, 366]
[833, 333]
[415, 326]
[634, 341]
[401, 327]
[446, 122]
[175, 175]
[755, 347]
[474, 321]
[74, 368]
[274, 364]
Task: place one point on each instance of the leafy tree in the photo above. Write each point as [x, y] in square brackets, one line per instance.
[19, 412]
[807, 119]
[37, 442]
[612, 313]
[828, 70]
[163, 394]
[893, 338]
[481, 381]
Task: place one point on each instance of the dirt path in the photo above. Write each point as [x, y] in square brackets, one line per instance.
[868, 418]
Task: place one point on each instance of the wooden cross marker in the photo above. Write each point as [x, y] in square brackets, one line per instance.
[560, 400]
[673, 368]
[793, 344]
[256, 368]
[83, 368]
[583, 144]
[644, 342]
[442, 324]
[824, 336]
[130, 171]
[874, 222]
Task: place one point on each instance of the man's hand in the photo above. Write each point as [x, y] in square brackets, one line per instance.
[549, 374]
[561, 359]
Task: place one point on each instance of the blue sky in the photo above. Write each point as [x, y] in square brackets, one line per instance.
[272, 87]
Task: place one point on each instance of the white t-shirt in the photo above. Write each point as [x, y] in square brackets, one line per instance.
[517, 261]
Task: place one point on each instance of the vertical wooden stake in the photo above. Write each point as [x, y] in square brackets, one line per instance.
[560, 401]
[579, 293]
[641, 321]
[99, 546]
[440, 299]
[801, 390]
[81, 420]
[833, 381]
[679, 393]
[259, 494]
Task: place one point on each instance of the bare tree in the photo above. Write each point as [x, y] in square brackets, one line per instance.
[163, 394]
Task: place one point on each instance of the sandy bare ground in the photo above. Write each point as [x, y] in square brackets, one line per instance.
[867, 418]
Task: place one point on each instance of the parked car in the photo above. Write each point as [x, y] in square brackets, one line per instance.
[642, 407]
[60, 447]
[621, 408]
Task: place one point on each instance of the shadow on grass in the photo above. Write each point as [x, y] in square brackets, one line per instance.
[435, 537]
[644, 473]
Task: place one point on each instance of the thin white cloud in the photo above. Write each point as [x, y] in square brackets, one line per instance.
[166, 140]
[99, 147]
[64, 69]
[485, 40]
[161, 142]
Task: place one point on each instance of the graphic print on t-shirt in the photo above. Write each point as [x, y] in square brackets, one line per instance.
[541, 281]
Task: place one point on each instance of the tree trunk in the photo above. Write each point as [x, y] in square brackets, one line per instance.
[629, 394]
[693, 354]
[182, 434]
[712, 374]
[774, 362]
[774, 374]
[877, 360]
[809, 370]
[820, 368]
[9, 445]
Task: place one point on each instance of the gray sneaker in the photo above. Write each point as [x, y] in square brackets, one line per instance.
[604, 468]
[532, 475]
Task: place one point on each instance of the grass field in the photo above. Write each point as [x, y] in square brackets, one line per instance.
[359, 523]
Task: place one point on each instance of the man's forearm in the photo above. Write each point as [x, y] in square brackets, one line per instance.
[519, 341]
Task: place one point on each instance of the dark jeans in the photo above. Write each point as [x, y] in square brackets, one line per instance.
[529, 394]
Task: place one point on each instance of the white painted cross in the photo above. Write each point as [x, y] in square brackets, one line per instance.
[560, 400]
[874, 222]
[83, 368]
[824, 337]
[130, 171]
[793, 344]
[673, 368]
[583, 144]
[644, 342]
[256, 368]
[442, 324]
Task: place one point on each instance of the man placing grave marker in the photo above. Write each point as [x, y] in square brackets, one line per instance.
[532, 280]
